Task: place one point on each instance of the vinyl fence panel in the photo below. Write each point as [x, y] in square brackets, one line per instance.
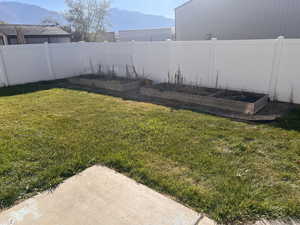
[262, 66]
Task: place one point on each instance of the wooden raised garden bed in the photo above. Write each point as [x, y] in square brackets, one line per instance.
[235, 101]
[109, 83]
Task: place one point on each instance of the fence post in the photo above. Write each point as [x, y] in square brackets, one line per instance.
[4, 69]
[212, 69]
[278, 47]
[49, 62]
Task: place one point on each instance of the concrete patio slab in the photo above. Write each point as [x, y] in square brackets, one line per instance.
[100, 196]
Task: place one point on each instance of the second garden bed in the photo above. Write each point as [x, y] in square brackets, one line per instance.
[236, 101]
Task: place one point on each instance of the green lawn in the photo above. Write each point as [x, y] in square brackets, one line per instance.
[232, 171]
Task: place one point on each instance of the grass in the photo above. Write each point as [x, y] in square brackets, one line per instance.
[232, 171]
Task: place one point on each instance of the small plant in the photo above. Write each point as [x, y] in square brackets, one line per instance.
[99, 72]
[112, 73]
[292, 95]
[128, 74]
[135, 72]
[178, 77]
[169, 78]
[217, 80]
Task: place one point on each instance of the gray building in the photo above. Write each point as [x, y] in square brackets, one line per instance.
[159, 34]
[237, 19]
[106, 36]
[11, 34]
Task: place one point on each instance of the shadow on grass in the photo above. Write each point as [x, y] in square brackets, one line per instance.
[29, 88]
[290, 121]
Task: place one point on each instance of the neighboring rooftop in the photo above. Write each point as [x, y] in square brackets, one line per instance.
[47, 30]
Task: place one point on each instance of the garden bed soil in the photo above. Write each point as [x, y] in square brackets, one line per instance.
[121, 84]
[235, 101]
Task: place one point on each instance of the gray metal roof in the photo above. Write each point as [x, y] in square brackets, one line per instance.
[11, 29]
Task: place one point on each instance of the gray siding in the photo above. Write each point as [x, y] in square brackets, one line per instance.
[106, 36]
[147, 35]
[238, 19]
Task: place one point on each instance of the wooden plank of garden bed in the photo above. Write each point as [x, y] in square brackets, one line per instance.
[226, 104]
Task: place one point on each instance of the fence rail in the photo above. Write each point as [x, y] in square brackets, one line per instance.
[264, 66]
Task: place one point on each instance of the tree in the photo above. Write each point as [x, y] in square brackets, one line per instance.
[87, 18]
[2, 22]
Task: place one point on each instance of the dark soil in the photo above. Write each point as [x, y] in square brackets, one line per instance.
[109, 78]
[185, 89]
[240, 96]
[213, 92]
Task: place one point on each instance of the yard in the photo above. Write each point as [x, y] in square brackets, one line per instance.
[232, 171]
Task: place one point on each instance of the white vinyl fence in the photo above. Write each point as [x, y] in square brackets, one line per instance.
[262, 66]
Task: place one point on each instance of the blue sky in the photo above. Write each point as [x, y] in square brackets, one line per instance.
[156, 7]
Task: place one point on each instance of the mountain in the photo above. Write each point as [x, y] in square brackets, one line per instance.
[21, 13]
[127, 20]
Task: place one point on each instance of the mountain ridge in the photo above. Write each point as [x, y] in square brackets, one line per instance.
[23, 13]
